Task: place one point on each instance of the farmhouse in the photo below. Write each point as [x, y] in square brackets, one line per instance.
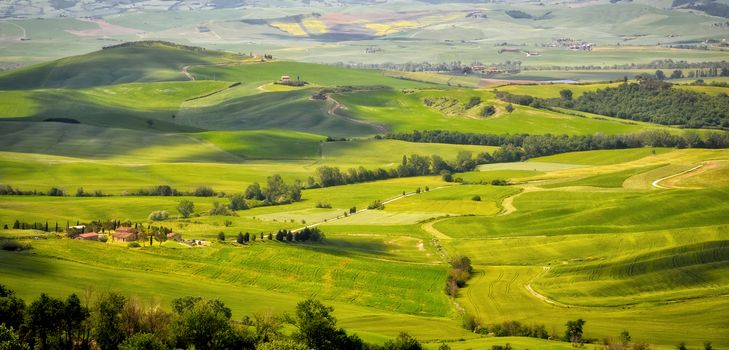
[285, 79]
[125, 234]
[174, 236]
[91, 236]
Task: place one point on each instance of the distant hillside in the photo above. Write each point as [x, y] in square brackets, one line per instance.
[145, 61]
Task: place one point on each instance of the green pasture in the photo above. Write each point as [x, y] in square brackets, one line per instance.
[111, 66]
[601, 157]
[486, 176]
[558, 213]
[323, 75]
[407, 112]
[612, 179]
[455, 200]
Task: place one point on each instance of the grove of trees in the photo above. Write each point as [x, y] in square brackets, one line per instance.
[112, 321]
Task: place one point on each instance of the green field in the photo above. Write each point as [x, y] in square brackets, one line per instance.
[626, 239]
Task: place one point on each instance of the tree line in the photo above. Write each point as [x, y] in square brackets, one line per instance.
[413, 165]
[517, 147]
[111, 321]
[308, 234]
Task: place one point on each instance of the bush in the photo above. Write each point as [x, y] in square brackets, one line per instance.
[499, 182]
[133, 245]
[221, 209]
[13, 245]
[377, 204]
[446, 176]
[186, 207]
[103, 239]
[204, 191]
[476, 198]
[488, 111]
[323, 205]
[56, 192]
[221, 236]
[238, 202]
[158, 215]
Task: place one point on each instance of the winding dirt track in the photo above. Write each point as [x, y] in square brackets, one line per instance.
[657, 183]
[541, 297]
[339, 217]
[185, 71]
[332, 111]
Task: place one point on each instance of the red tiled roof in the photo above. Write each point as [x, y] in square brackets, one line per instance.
[89, 235]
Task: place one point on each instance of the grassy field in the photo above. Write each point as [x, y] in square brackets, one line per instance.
[625, 239]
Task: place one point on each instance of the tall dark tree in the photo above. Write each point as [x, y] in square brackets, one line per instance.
[574, 330]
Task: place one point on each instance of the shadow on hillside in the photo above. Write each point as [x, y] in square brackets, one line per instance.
[347, 248]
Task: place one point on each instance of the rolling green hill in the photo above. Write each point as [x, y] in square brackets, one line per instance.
[136, 62]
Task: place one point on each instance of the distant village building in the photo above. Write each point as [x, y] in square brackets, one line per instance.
[74, 231]
[285, 79]
[125, 234]
[174, 237]
[91, 236]
[488, 69]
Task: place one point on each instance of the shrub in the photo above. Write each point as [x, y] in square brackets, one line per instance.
[204, 191]
[473, 102]
[476, 198]
[221, 236]
[238, 202]
[133, 245]
[220, 209]
[145, 341]
[446, 176]
[377, 204]
[158, 215]
[103, 239]
[186, 207]
[323, 205]
[499, 182]
[56, 192]
[488, 111]
[13, 245]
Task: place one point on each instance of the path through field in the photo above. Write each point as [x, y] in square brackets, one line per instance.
[339, 217]
[21, 28]
[657, 184]
[185, 71]
[336, 105]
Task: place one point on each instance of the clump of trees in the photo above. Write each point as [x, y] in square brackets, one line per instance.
[460, 272]
[308, 234]
[276, 192]
[376, 205]
[221, 209]
[158, 215]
